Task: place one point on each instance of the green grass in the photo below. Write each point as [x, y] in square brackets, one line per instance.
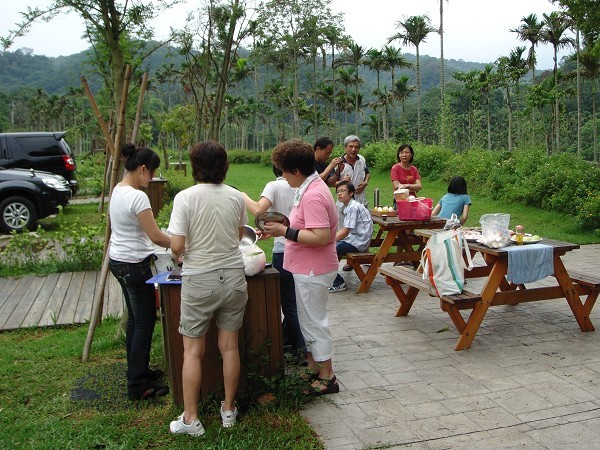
[85, 213]
[40, 367]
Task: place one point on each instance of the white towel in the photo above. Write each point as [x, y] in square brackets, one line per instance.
[300, 191]
[529, 263]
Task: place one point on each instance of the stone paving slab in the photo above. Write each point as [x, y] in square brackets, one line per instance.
[530, 380]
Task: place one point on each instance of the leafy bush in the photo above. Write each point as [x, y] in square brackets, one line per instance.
[588, 213]
[90, 174]
[164, 215]
[177, 181]
[432, 161]
[245, 156]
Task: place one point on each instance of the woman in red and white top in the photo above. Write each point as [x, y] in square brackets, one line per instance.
[404, 174]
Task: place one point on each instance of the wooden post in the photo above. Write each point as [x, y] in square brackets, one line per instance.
[116, 150]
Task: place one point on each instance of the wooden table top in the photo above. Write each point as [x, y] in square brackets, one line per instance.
[558, 246]
[393, 222]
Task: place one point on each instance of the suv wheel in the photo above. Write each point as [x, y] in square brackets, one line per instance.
[17, 213]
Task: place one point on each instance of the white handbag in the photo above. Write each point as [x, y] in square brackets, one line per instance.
[443, 263]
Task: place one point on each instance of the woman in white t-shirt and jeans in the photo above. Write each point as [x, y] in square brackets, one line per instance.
[131, 251]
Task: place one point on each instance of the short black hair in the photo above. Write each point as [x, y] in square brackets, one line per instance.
[322, 142]
[457, 185]
[349, 185]
[209, 162]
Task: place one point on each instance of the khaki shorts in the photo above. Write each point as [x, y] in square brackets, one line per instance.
[222, 292]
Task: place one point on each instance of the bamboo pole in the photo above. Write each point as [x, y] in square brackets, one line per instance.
[115, 147]
[140, 105]
[107, 164]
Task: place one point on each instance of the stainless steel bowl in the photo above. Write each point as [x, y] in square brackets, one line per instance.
[249, 236]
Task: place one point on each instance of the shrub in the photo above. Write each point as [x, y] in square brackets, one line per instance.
[164, 215]
[245, 156]
[90, 174]
[177, 181]
[588, 213]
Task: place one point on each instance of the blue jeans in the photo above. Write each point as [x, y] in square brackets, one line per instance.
[341, 248]
[292, 336]
[141, 308]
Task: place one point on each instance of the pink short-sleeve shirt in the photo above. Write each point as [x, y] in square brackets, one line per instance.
[316, 210]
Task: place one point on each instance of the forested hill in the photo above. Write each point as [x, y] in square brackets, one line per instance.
[23, 69]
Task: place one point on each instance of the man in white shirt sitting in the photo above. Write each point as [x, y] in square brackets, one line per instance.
[356, 230]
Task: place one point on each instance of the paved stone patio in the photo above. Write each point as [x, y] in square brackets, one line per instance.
[530, 380]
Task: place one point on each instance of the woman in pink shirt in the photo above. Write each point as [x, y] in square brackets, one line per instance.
[310, 256]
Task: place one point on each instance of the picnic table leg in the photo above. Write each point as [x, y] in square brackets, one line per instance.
[479, 311]
[590, 302]
[580, 312]
[455, 316]
[388, 242]
[406, 299]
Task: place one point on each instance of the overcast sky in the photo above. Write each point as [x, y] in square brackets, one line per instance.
[474, 30]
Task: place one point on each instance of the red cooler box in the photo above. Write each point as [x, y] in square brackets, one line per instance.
[419, 209]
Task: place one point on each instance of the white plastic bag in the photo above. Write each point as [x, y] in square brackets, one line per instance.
[452, 222]
[443, 262]
[254, 259]
[494, 229]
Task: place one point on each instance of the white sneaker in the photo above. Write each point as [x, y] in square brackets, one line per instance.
[180, 427]
[228, 417]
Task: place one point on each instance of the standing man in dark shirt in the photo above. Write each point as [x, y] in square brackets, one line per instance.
[329, 173]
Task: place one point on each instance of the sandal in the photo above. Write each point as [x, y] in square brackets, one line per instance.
[309, 376]
[324, 387]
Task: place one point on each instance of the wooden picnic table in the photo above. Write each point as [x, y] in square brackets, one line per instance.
[498, 291]
[391, 232]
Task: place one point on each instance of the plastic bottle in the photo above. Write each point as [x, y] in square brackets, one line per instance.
[519, 234]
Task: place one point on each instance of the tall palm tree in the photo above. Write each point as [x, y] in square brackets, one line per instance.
[393, 60]
[590, 63]
[414, 31]
[510, 70]
[530, 30]
[555, 25]
[374, 61]
[402, 90]
[355, 57]
[442, 70]
[346, 78]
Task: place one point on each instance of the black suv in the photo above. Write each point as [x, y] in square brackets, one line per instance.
[45, 151]
[29, 195]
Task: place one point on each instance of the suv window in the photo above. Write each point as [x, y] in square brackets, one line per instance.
[40, 146]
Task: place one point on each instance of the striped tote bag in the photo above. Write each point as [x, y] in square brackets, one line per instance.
[443, 262]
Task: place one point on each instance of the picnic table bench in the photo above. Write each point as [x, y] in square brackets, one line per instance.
[391, 232]
[413, 279]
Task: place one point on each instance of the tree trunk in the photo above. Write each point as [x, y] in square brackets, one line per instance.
[442, 74]
[578, 95]
[418, 97]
